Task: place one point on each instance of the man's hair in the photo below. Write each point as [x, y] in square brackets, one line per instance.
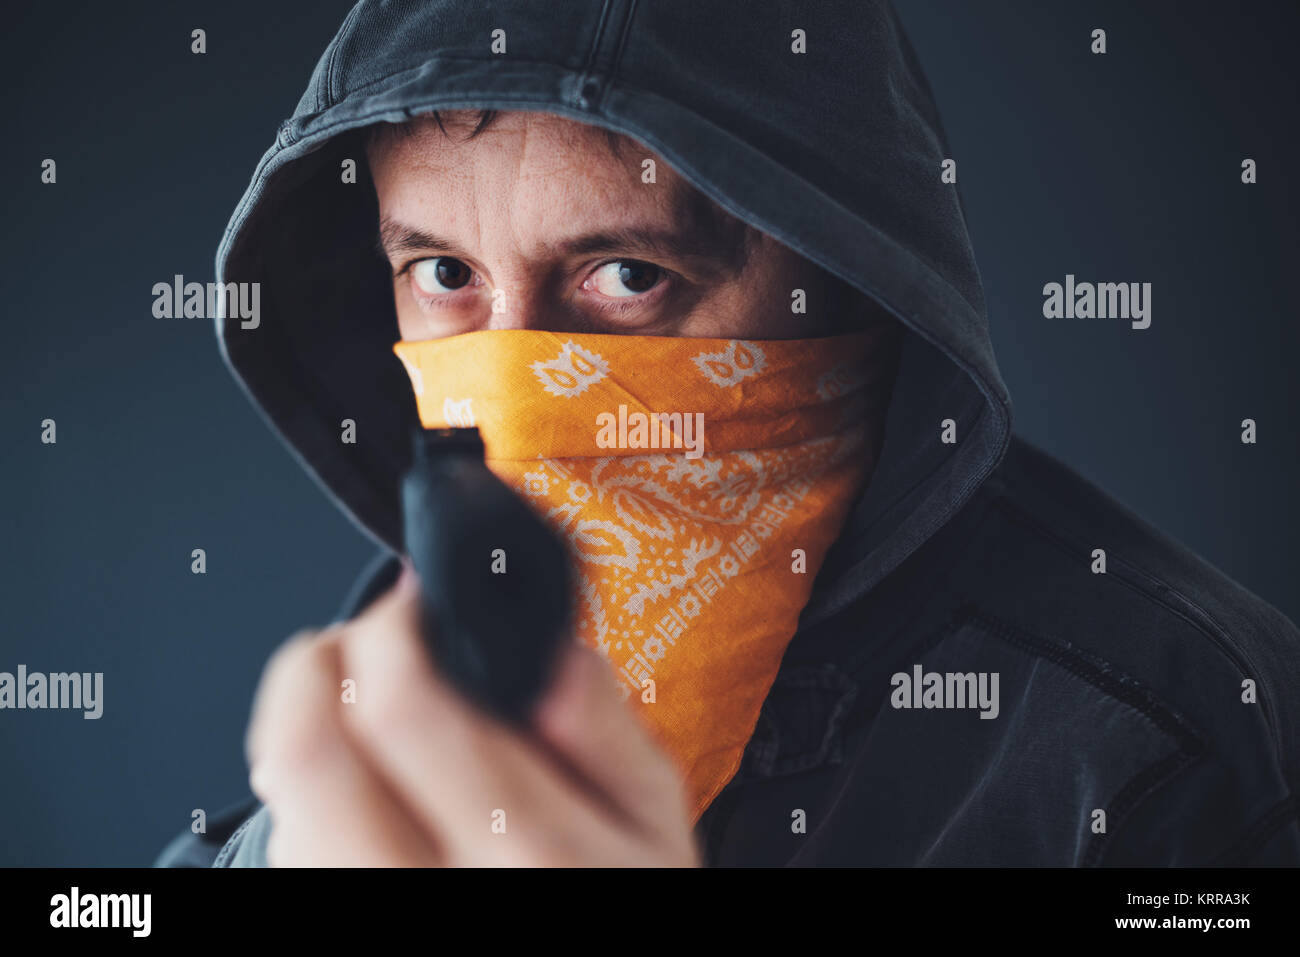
[378, 131]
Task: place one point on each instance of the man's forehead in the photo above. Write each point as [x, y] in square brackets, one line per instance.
[452, 139]
[565, 148]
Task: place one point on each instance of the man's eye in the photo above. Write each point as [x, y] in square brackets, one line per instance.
[625, 277]
[443, 274]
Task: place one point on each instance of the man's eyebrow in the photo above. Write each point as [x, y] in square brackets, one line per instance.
[395, 237]
[701, 247]
[653, 242]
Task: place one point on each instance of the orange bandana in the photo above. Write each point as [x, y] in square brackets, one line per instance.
[698, 482]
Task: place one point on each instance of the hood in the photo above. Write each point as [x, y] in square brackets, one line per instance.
[836, 152]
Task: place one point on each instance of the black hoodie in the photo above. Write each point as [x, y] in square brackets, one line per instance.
[1122, 736]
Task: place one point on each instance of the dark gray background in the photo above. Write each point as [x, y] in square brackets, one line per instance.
[1123, 167]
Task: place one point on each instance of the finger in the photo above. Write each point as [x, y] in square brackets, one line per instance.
[274, 675]
[328, 807]
[582, 719]
[483, 788]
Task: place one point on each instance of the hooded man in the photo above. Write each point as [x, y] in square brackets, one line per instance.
[727, 337]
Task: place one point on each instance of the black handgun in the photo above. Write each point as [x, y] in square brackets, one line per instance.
[494, 578]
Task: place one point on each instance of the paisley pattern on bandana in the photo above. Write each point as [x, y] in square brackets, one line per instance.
[691, 568]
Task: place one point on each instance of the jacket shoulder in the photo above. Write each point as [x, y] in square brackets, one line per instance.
[1044, 508]
[1061, 569]
[188, 849]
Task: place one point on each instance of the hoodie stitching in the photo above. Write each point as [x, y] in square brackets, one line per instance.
[442, 100]
[1260, 832]
[595, 40]
[622, 41]
[1130, 796]
[442, 96]
[1127, 574]
[330, 97]
[228, 849]
[577, 95]
[1189, 744]
[1096, 671]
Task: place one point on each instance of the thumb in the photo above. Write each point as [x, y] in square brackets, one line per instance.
[400, 603]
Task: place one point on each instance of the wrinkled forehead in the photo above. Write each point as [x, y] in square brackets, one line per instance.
[542, 143]
[529, 147]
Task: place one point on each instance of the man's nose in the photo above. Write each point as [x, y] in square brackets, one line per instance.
[525, 302]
